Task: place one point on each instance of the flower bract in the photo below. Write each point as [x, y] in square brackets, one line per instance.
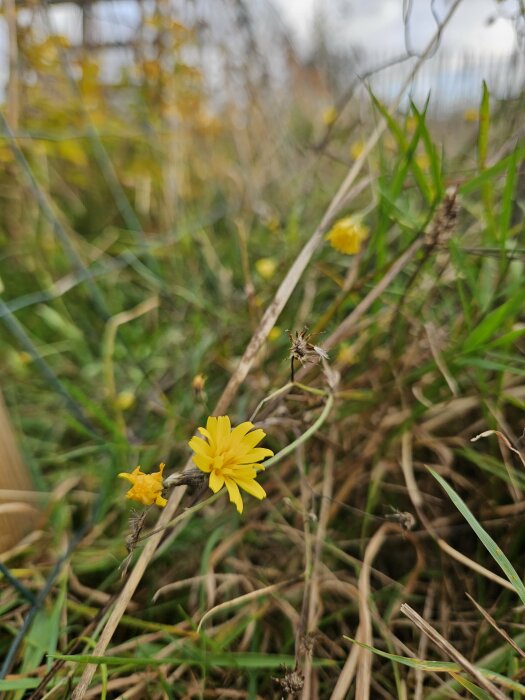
[347, 235]
[230, 457]
[146, 488]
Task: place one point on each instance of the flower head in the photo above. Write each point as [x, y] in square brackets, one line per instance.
[146, 488]
[230, 457]
[347, 235]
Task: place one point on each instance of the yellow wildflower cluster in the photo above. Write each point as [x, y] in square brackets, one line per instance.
[229, 456]
[347, 235]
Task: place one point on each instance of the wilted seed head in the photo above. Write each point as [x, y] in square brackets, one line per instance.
[405, 519]
[445, 219]
[291, 683]
[303, 350]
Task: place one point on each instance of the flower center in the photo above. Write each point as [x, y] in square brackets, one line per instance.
[217, 463]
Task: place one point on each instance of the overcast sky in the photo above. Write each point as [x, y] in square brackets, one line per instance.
[378, 24]
[482, 27]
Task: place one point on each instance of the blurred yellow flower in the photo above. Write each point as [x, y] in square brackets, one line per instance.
[347, 235]
[146, 488]
[471, 115]
[198, 383]
[356, 149]
[423, 161]
[125, 400]
[411, 124]
[274, 334]
[266, 267]
[346, 355]
[230, 457]
[329, 116]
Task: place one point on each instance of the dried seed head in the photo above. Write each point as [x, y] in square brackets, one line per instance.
[405, 519]
[445, 219]
[303, 350]
[291, 683]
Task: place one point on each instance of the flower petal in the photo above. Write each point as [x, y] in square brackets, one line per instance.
[252, 487]
[255, 455]
[223, 433]
[200, 446]
[203, 463]
[238, 434]
[161, 502]
[249, 441]
[216, 481]
[235, 494]
[244, 472]
[211, 427]
[125, 475]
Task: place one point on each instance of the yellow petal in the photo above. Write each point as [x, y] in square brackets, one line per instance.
[236, 473]
[250, 440]
[200, 446]
[161, 502]
[211, 427]
[239, 432]
[223, 433]
[252, 487]
[216, 481]
[235, 494]
[255, 455]
[203, 463]
[125, 475]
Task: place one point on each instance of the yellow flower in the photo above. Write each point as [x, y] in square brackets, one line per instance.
[347, 235]
[147, 488]
[356, 149]
[423, 161]
[266, 267]
[230, 457]
[411, 124]
[125, 400]
[274, 334]
[470, 115]
[329, 116]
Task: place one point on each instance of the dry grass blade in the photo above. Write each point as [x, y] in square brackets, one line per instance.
[451, 652]
[16, 519]
[246, 598]
[503, 438]
[498, 629]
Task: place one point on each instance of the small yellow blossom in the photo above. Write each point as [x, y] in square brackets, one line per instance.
[471, 115]
[125, 400]
[274, 334]
[329, 116]
[146, 488]
[266, 267]
[198, 383]
[356, 149]
[346, 355]
[230, 457]
[347, 235]
[411, 124]
[272, 223]
[423, 161]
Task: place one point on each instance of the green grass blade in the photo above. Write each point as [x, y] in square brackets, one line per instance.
[493, 549]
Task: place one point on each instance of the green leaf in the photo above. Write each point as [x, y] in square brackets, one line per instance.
[247, 660]
[494, 321]
[484, 125]
[487, 541]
